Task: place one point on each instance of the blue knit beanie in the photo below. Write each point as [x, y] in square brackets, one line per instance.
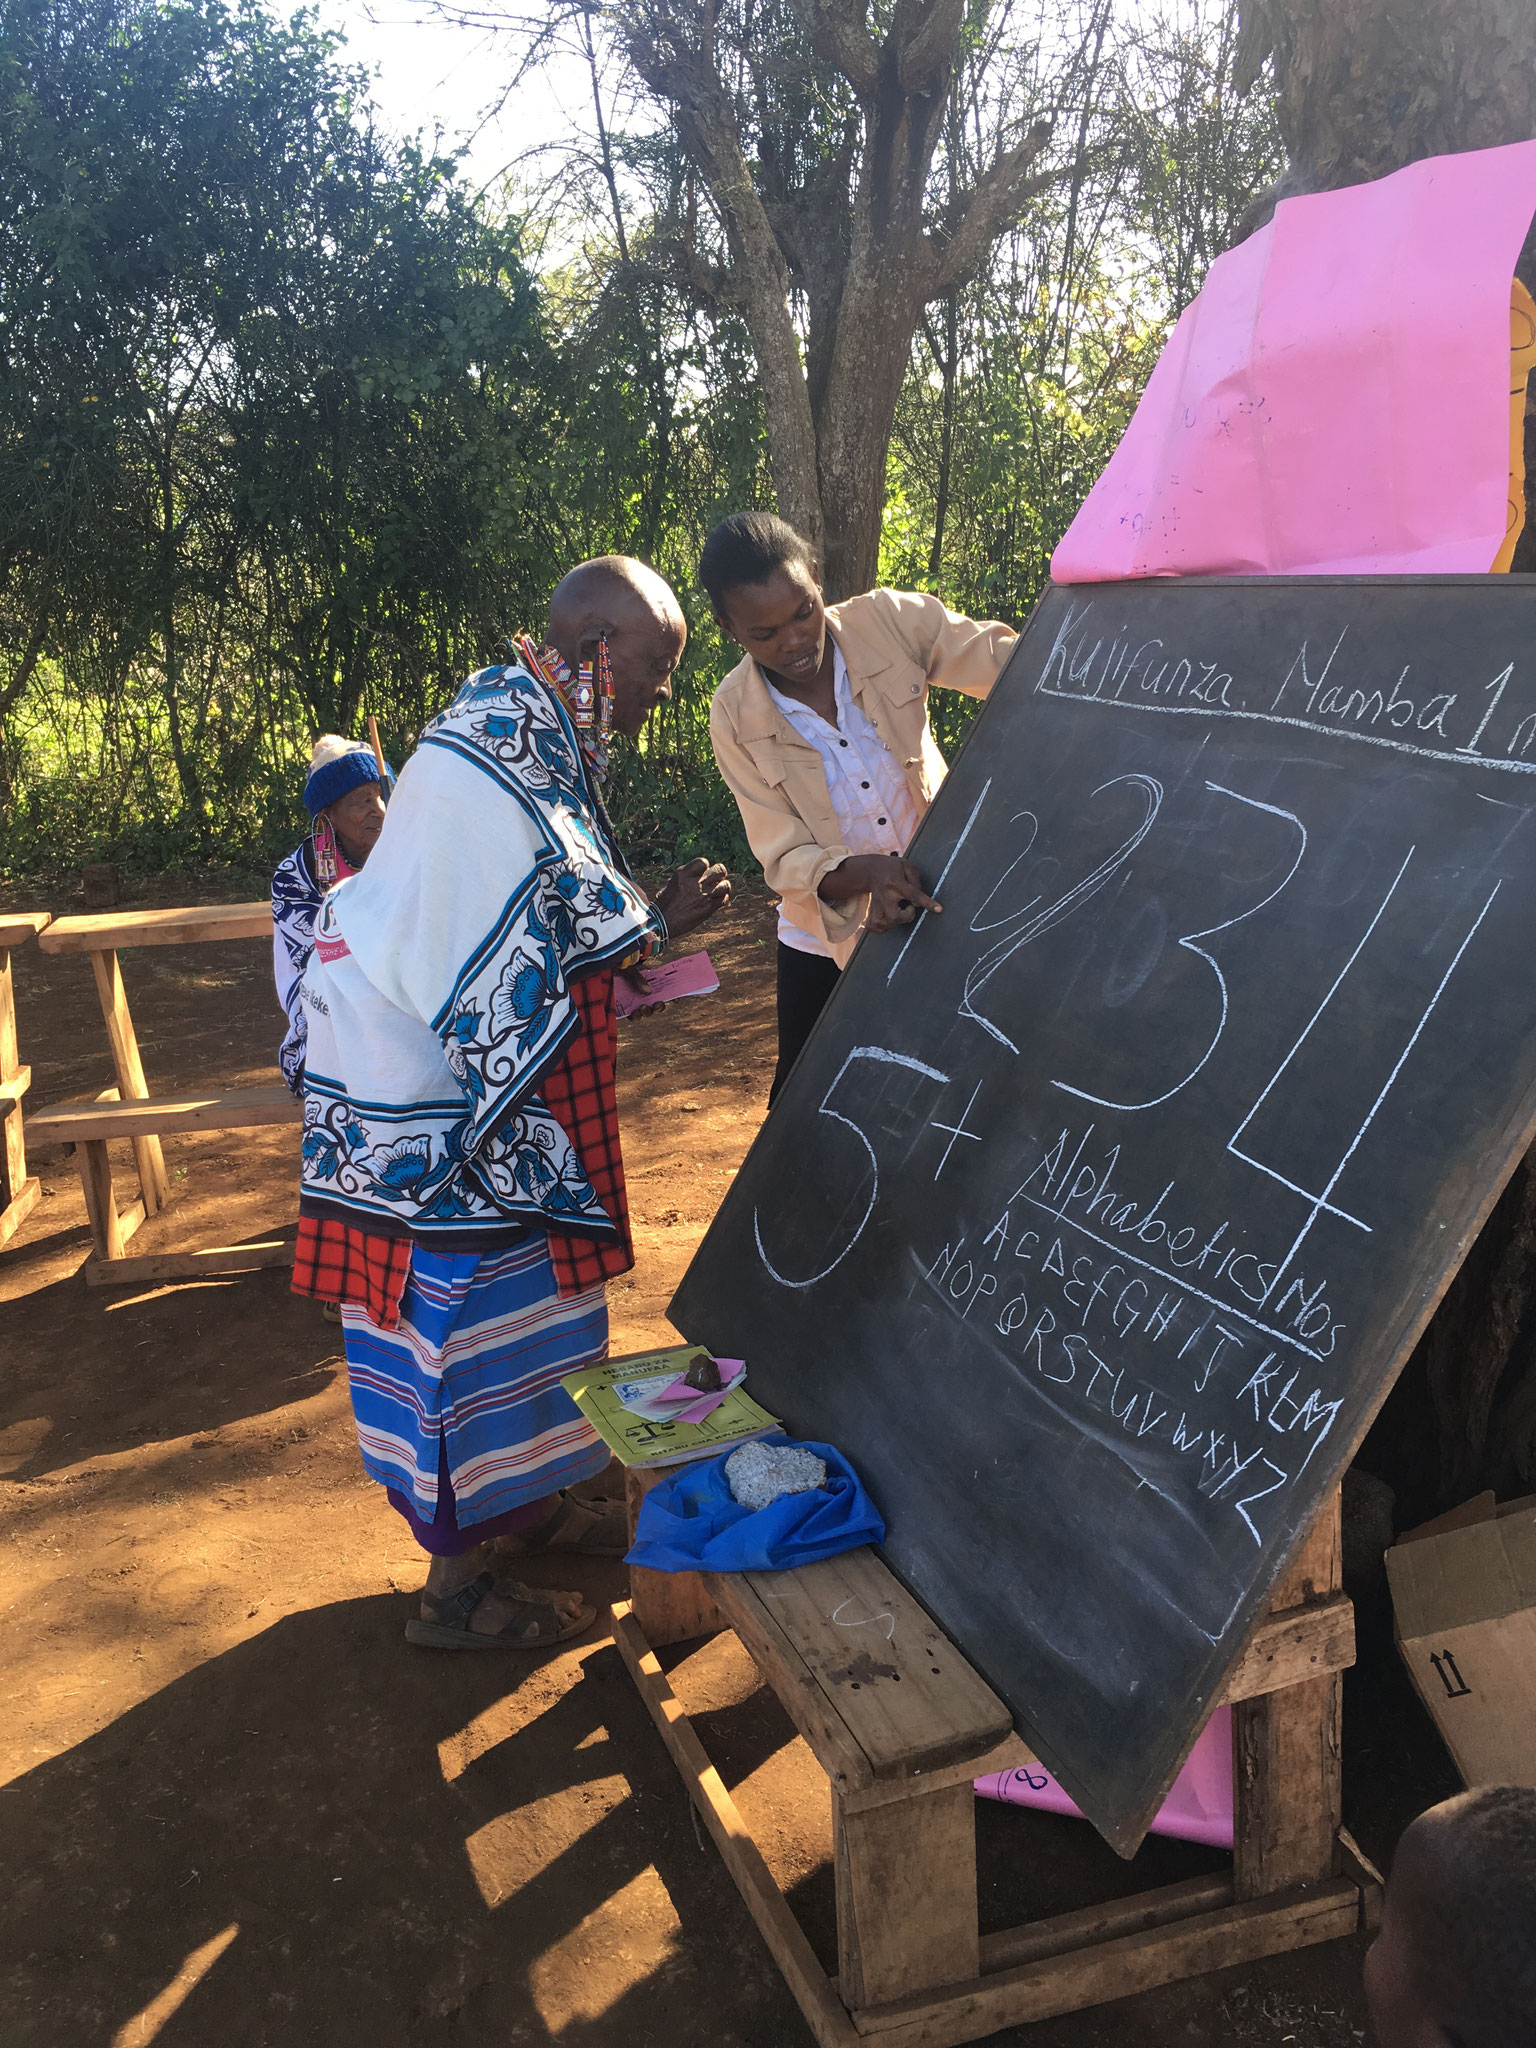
[336, 767]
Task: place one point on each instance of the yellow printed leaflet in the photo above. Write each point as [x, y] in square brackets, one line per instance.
[640, 1440]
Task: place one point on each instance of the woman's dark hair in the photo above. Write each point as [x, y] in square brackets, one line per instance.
[747, 548]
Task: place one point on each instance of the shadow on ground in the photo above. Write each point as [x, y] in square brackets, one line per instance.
[217, 1351]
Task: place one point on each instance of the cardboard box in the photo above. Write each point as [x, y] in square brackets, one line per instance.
[1464, 1594]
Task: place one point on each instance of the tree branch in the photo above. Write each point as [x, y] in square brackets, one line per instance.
[12, 694]
[1255, 45]
[995, 203]
[928, 54]
[837, 33]
[685, 77]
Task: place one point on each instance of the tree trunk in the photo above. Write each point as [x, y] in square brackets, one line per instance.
[1365, 87]
[876, 319]
[841, 228]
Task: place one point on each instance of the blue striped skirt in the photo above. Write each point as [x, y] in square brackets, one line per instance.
[475, 1368]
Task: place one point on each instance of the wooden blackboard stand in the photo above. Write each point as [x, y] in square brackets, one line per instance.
[901, 1725]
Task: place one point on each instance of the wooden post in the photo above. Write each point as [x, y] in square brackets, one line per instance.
[147, 1155]
[669, 1607]
[18, 1194]
[906, 1895]
[100, 1198]
[1286, 1749]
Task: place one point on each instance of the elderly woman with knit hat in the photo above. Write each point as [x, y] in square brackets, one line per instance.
[345, 797]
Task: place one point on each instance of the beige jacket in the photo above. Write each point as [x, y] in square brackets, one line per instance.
[896, 643]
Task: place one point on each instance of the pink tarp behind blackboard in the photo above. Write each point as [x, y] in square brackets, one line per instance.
[1336, 400]
[1198, 1807]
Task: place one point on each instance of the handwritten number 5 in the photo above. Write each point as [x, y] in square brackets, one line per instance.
[860, 1052]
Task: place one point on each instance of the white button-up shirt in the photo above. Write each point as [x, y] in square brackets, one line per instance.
[872, 799]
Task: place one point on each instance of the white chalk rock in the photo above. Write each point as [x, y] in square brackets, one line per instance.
[759, 1472]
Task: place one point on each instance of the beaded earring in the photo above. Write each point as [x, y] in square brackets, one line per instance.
[592, 710]
[325, 852]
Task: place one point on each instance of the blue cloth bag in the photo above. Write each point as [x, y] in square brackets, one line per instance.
[690, 1523]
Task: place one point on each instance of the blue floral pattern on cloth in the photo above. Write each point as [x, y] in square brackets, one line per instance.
[296, 897]
[494, 1153]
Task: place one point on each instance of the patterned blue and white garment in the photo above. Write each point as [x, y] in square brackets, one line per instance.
[437, 996]
[297, 894]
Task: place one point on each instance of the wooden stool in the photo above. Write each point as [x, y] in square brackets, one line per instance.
[901, 1724]
[19, 1192]
[87, 1126]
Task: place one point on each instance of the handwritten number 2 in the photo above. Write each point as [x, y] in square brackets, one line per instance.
[1029, 927]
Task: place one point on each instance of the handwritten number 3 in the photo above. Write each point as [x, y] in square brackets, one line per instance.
[1191, 944]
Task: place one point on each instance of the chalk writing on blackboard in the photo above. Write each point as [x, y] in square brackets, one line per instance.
[1390, 710]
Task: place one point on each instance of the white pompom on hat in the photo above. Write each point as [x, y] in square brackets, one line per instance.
[330, 745]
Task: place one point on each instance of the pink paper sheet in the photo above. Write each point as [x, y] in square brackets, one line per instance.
[692, 975]
[1336, 400]
[1198, 1807]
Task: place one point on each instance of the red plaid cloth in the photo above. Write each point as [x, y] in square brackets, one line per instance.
[580, 1095]
[334, 1261]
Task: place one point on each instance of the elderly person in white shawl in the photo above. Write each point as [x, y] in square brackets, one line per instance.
[344, 795]
[463, 1191]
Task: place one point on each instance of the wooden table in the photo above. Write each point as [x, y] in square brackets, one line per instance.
[101, 935]
[18, 1193]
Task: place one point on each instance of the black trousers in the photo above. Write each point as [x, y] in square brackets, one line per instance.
[806, 980]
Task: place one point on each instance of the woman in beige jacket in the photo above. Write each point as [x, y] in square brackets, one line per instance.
[822, 733]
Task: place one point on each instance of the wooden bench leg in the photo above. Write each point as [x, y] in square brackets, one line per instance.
[130, 1075]
[906, 1895]
[100, 1199]
[19, 1195]
[1287, 1751]
[669, 1607]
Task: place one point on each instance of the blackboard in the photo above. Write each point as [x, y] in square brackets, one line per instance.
[1100, 1210]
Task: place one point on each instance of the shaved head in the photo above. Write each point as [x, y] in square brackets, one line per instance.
[1455, 1963]
[606, 592]
[620, 600]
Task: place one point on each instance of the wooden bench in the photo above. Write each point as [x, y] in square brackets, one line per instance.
[19, 1191]
[87, 1127]
[901, 1725]
[129, 1111]
[101, 935]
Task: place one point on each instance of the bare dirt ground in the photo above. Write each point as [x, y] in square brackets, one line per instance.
[238, 1810]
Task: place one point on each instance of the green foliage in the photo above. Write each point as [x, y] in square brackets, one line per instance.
[269, 386]
[291, 431]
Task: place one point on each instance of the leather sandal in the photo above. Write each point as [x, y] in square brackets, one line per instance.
[536, 1625]
[573, 1526]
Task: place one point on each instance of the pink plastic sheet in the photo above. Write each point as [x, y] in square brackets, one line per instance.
[1198, 1807]
[1336, 400]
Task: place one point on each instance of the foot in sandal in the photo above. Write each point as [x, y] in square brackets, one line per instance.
[573, 1525]
[465, 1607]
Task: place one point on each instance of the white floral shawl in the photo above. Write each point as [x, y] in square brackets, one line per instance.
[439, 990]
